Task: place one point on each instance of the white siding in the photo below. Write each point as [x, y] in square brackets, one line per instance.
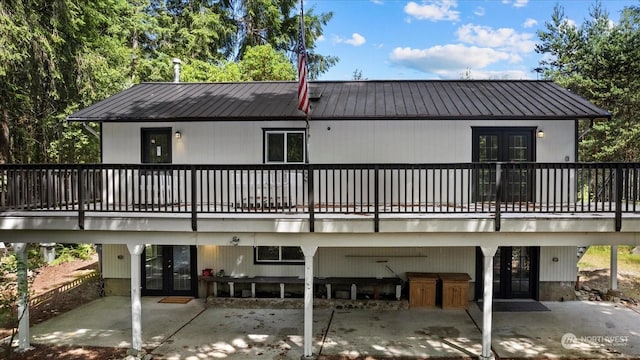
[565, 269]
[238, 261]
[345, 262]
[399, 141]
[112, 266]
[352, 262]
[385, 262]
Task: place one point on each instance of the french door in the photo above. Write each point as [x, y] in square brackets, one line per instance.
[499, 144]
[515, 272]
[169, 270]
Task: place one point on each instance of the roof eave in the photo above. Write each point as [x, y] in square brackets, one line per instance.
[360, 118]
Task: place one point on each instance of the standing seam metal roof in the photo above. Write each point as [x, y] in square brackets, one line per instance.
[343, 100]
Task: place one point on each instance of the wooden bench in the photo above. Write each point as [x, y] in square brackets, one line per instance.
[212, 281]
[358, 281]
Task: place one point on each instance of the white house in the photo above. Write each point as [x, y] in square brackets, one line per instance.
[383, 179]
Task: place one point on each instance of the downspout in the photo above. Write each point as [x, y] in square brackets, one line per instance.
[90, 130]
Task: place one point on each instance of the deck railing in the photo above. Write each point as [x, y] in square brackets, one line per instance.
[312, 189]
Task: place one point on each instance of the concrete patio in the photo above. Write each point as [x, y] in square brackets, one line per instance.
[193, 331]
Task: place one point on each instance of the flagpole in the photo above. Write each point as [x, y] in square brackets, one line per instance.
[308, 113]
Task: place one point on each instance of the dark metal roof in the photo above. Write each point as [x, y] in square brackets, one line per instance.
[415, 99]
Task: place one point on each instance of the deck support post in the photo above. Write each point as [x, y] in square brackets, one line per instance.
[309, 251]
[20, 249]
[488, 253]
[613, 277]
[136, 305]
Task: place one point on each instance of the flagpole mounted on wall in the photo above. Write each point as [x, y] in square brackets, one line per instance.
[303, 85]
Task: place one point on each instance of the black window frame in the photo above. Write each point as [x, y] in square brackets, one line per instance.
[257, 261]
[285, 131]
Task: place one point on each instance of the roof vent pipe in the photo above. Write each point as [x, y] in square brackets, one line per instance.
[176, 70]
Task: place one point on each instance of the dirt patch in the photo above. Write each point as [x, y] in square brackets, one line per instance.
[40, 352]
[628, 282]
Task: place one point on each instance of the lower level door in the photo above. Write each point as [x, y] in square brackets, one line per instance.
[169, 270]
[515, 273]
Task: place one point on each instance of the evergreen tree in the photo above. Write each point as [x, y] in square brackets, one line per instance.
[599, 61]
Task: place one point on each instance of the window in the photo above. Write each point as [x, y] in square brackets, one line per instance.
[279, 255]
[284, 146]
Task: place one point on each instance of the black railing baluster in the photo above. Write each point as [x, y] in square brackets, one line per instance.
[618, 194]
[194, 199]
[81, 195]
[376, 199]
[498, 196]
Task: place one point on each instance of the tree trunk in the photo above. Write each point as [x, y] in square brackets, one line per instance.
[5, 144]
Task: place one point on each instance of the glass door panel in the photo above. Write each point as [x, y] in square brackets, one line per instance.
[154, 267]
[520, 272]
[488, 152]
[181, 267]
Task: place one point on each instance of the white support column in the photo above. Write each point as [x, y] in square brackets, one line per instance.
[354, 291]
[20, 250]
[488, 253]
[136, 305]
[281, 290]
[613, 277]
[232, 289]
[308, 251]
[253, 290]
[328, 286]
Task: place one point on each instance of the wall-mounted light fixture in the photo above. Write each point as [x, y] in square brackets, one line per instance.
[540, 134]
[555, 259]
[178, 135]
[235, 241]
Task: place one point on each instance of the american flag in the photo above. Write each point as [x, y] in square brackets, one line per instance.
[303, 86]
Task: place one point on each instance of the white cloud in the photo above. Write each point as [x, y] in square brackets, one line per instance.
[516, 3]
[529, 23]
[479, 11]
[379, 2]
[434, 10]
[492, 75]
[520, 3]
[321, 38]
[504, 39]
[355, 40]
[449, 59]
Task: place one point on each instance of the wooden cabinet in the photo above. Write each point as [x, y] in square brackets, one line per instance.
[422, 289]
[455, 290]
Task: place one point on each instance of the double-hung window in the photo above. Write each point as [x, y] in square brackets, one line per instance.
[284, 146]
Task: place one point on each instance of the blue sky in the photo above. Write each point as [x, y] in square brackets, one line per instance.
[441, 39]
